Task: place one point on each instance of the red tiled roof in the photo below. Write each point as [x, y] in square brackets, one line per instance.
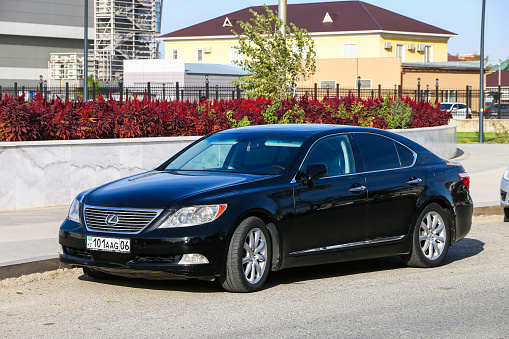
[347, 16]
[492, 79]
[451, 57]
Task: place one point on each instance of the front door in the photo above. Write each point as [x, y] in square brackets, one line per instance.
[333, 213]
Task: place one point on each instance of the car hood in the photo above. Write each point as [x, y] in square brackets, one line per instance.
[157, 190]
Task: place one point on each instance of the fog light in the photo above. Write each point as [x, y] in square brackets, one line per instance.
[193, 259]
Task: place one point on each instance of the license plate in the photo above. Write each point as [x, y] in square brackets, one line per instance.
[109, 244]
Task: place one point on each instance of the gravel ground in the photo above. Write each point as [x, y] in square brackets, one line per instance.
[467, 297]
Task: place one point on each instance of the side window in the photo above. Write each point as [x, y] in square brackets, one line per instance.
[335, 152]
[406, 158]
[378, 152]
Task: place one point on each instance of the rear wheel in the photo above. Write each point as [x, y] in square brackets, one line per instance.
[430, 239]
[249, 257]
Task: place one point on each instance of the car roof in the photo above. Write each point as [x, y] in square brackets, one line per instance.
[305, 130]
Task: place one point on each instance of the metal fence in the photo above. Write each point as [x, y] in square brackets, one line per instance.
[121, 92]
[467, 95]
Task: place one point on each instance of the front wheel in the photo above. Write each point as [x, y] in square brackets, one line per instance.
[430, 239]
[506, 214]
[249, 257]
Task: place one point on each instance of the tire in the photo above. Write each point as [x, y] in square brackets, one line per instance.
[249, 257]
[506, 214]
[430, 238]
[97, 274]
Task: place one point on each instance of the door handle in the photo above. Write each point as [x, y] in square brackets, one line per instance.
[357, 189]
[414, 181]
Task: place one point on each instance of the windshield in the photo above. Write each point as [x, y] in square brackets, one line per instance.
[246, 153]
[445, 106]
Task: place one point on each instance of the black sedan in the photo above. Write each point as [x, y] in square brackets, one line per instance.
[239, 203]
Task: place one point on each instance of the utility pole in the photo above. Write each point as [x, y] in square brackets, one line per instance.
[481, 87]
[281, 10]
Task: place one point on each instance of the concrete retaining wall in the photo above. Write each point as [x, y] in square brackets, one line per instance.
[489, 125]
[51, 173]
[440, 140]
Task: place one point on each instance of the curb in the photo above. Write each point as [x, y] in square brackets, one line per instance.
[488, 210]
[18, 268]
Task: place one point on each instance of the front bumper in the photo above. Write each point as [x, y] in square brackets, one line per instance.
[151, 257]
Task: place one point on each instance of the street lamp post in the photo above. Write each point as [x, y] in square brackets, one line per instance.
[418, 89]
[207, 92]
[436, 90]
[85, 54]
[481, 87]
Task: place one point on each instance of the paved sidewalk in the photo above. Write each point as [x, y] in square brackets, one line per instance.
[30, 233]
[29, 237]
[485, 163]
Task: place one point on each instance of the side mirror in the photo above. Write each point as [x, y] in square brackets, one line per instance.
[315, 172]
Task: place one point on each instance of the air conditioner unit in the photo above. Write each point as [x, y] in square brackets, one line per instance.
[411, 47]
[420, 47]
[387, 45]
[328, 84]
[207, 50]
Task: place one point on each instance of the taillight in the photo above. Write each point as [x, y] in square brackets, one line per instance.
[465, 179]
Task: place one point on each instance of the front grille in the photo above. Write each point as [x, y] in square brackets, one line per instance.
[503, 195]
[126, 220]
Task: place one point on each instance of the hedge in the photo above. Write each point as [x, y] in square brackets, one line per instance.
[58, 119]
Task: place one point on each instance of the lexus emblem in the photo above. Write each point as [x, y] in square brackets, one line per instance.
[111, 219]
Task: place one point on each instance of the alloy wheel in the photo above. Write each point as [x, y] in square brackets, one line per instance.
[254, 257]
[432, 235]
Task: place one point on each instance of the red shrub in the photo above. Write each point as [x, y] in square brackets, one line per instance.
[100, 118]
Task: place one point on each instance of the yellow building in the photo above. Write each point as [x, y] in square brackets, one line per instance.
[340, 30]
[343, 29]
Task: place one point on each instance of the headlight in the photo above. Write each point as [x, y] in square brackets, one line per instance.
[194, 215]
[506, 174]
[74, 211]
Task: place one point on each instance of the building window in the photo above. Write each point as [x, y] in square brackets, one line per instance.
[199, 55]
[174, 54]
[235, 54]
[400, 52]
[350, 50]
[428, 53]
[365, 83]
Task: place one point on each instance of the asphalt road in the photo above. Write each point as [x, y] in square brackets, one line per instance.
[467, 297]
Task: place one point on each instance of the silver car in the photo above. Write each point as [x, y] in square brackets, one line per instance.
[458, 110]
[504, 196]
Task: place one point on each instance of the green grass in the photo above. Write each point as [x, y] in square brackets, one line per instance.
[489, 138]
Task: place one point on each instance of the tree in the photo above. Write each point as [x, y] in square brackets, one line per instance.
[275, 62]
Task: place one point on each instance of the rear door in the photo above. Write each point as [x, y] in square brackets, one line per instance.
[395, 179]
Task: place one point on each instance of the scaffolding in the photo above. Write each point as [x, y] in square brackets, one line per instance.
[124, 30]
[66, 66]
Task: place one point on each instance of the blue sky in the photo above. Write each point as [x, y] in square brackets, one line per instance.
[462, 17]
